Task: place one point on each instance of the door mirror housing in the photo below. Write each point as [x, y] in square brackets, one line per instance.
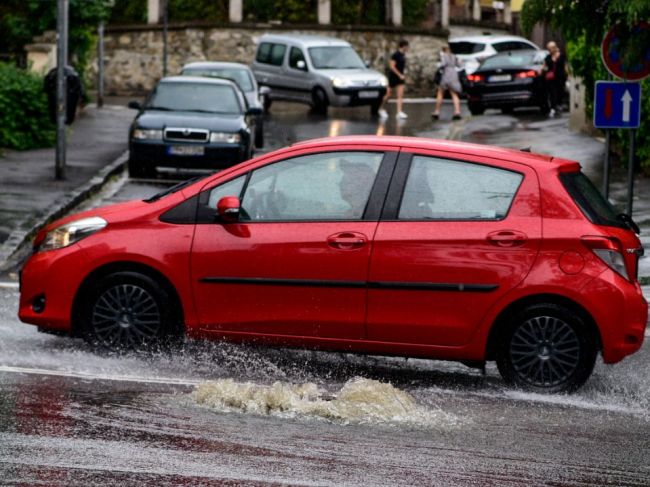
[135, 105]
[255, 111]
[228, 209]
[301, 65]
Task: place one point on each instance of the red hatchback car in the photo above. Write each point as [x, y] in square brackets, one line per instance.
[383, 245]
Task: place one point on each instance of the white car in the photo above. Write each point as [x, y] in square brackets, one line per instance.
[472, 50]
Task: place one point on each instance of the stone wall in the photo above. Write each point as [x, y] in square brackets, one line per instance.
[133, 55]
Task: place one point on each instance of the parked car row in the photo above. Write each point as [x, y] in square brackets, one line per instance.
[210, 117]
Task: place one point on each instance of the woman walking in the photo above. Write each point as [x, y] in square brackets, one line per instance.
[449, 81]
[396, 79]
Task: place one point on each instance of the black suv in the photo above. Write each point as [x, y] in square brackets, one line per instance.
[191, 123]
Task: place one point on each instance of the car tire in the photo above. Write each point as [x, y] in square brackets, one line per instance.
[546, 348]
[319, 101]
[476, 109]
[259, 134]
[141, 170]
[129, 311]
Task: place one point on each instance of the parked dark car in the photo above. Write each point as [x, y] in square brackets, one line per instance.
[191, 123]
[243, 77]
[508, 80]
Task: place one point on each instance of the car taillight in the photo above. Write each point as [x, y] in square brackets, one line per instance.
[609, 251]
[475, 77]
[527, 74]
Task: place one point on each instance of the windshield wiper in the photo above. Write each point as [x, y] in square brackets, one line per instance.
[165, 109]
[173, 189]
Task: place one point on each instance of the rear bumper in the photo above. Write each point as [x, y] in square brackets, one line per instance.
[216, 156]
[621, 313]
[519, 94]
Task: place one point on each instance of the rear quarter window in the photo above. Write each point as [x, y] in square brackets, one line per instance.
[590, 201]
[463, 47]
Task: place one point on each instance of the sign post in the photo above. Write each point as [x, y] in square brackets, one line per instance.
[61, 85]
[617, 105]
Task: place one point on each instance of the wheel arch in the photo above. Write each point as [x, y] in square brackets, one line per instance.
[500, 323]
[124, 266]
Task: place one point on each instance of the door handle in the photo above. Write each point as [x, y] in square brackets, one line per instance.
[347, 240]
[507, 238]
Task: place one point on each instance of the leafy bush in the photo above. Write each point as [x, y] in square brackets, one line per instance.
[289, 11]
[129, 12]
[24, 121]
[189, 10]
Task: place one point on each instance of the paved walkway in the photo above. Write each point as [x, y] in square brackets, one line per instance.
[29, 194]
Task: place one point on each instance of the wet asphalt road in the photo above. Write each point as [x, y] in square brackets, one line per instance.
[69, 416]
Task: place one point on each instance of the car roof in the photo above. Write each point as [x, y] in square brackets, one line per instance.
[489, 39]
[304, 40]
[198, 79]
[214, 64]
[465, 148]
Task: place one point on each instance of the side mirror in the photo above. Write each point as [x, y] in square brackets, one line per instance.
[301, 65]
[228, 209]
[264, 90]
[255, 111]
[135, 105]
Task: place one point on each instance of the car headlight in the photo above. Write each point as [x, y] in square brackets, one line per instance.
[72, 232]
[147, 134]
[383, 81]
[340, 82]
[228, 138]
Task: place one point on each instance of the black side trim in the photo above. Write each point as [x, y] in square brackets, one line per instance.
[396, 189]
[415, 286]
[378, 192]
[434, 286]
[282, 282]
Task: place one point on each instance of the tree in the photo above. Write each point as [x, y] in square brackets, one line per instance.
[584, 23]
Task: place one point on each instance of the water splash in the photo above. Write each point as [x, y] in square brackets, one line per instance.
[359, 401]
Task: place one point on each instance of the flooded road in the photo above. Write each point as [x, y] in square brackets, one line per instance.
[222, 414]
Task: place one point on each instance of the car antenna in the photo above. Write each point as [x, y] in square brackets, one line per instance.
[525, 149]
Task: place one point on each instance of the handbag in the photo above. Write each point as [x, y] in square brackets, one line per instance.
[550, 75]
[437, 78]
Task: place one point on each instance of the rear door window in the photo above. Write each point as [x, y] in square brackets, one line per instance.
[441, 189]
[269, 53]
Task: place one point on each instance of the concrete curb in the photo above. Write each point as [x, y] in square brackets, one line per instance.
[19, 237]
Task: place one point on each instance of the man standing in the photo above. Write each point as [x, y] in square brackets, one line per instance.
[396, 79]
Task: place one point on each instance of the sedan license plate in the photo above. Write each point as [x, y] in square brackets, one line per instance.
[496, 78]
[368, 94]
[186, 150]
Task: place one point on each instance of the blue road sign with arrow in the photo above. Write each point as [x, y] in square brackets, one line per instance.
[617, 105]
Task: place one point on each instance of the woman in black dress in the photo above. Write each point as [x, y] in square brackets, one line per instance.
[555, 75]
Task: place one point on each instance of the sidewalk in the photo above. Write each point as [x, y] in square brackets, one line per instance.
[29, 194]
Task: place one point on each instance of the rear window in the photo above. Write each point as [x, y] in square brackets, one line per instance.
[510, 60]
[592, 203]
[463, 47]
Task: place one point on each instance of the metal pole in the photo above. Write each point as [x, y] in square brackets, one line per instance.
[606, 171]
[100, 65]
[630, 172]
[61, 61]
[165, 3]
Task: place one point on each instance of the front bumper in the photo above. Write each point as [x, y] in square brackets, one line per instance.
[352, 97]
[215, 156]
[51, 278]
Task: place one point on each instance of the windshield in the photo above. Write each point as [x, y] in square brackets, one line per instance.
[335, 57]
[510, 60]
[465, 47]
[194, 97]
[240, 76]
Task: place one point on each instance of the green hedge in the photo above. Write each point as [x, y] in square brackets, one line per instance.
[24, 121]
